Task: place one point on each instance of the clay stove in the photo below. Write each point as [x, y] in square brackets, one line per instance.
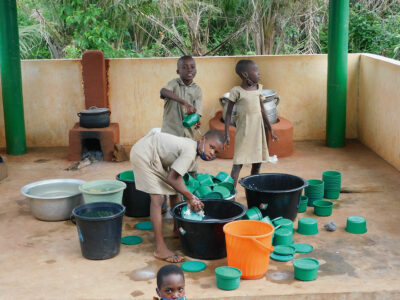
[93, 141]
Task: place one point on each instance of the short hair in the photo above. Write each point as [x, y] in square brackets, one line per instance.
[213, 133]
[243, 65]
[166, 271]
[182, 58]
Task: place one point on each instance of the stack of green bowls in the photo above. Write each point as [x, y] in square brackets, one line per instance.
[206, 186]
[332, 184]
[314, 191]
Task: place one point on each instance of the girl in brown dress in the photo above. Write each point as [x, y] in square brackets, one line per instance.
[250, 140]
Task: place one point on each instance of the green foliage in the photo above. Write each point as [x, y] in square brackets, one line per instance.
[124, 28]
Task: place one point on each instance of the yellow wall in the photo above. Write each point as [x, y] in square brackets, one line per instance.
[53, 94]
[379, 106]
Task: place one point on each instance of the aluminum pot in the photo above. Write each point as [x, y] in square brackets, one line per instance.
[268, 101]
[270, 105]
[94, 117]
[53, 199]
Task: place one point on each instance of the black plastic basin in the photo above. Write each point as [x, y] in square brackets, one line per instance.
[206, 239]
[281, 193]
[137, 203]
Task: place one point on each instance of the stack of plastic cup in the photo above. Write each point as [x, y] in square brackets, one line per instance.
[332, 184]
[314, 191]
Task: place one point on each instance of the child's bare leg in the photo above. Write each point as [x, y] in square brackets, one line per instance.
[174, 200]
[162, 250]
[235, 173]
[255, 168]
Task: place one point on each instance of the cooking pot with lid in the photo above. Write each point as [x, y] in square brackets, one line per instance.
[94, 117]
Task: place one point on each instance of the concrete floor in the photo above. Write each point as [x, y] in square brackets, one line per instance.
[43, 259]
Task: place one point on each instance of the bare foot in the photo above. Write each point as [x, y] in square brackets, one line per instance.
[168, 256]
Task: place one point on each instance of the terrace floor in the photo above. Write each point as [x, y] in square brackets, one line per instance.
[43, 259]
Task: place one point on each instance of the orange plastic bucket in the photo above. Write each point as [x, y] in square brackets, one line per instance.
[248, 246]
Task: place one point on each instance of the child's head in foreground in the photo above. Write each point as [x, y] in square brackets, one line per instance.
[248, 70]
[186, 68]
[171, 282]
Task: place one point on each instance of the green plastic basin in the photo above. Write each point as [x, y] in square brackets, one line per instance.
[102, 191]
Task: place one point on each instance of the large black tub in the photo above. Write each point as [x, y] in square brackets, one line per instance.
[281, 193]
[206, 239]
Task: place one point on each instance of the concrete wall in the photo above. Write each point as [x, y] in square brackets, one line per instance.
[53, 94]
[379, 106]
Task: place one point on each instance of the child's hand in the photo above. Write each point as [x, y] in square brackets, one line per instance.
[274, 137]
[197, 125]
[190, 109]
[196, 203]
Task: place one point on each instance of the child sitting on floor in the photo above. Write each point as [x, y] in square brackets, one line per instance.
[170, 283]
[250, 140]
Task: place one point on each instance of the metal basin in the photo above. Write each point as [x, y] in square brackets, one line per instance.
[53, 199]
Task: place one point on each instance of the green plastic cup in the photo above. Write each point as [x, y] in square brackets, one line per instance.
[253, 214]
[331, 175]
[307, 226]
[306, 269]
[190, 181]
[283, 236]
[205, 179]
[356, 225]
[228, 278]
[190, 120]
[323, 208]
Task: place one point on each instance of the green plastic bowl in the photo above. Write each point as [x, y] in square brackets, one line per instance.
[306, 269]
[224, 177]
[283, 223]
[226, 185]
[302, 207]
[266, 219]
[253, 214]
[283, 236]
[190, 120]
[356, 225]
[203, 191]
[307, 226]
[228, 278]
[205, 179]
[323, 208]
[311, 200]
[334, 175]
[332, 194]
[212, 195]
[103, 191]
[225, 193]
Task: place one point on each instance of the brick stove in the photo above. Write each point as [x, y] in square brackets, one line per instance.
[95, 88]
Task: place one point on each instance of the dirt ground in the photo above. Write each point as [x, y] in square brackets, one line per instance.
[42, 260]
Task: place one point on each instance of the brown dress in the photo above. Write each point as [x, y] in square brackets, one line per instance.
[250, 140]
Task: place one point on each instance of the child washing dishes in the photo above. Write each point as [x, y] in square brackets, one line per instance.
[170, 283]
[159, 160]
[250, 140]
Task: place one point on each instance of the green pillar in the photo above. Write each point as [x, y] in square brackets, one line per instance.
[11, 82]
[337, 72]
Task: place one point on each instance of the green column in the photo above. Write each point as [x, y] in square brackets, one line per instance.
[337, 72]
[11, 78]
